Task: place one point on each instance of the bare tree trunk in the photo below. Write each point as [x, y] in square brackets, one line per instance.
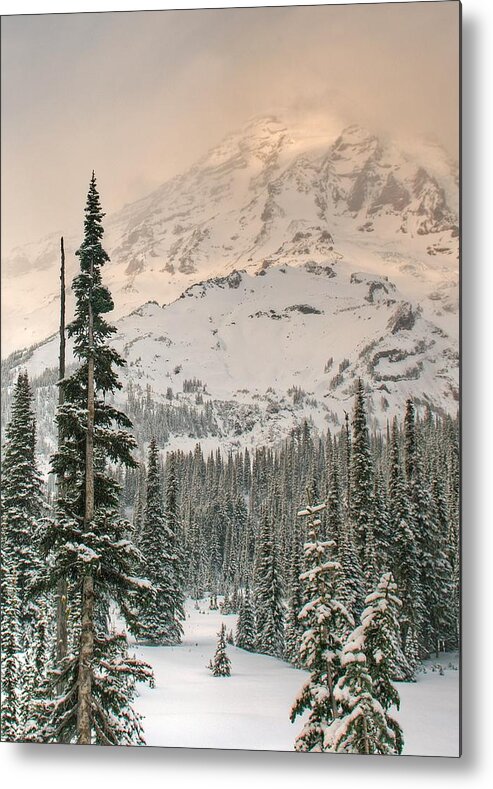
[61, 614]
[85, 660]
[62, 316]
[87, 631]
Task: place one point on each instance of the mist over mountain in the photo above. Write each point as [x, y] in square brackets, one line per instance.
[290, 257]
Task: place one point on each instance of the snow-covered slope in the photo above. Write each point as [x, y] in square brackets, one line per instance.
[252, 290]
[255, 354]
[273, 193]
[189, 708]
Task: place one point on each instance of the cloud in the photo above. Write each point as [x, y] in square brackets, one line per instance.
[139, 96]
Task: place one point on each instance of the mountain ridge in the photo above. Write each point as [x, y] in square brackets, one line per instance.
[241, 360]
[267, 195]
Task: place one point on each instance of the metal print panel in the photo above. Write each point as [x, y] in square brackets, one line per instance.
[230, 378]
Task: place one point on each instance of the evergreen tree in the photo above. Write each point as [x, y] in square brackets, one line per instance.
[21, 499]
[87, 544]
[381, 526]
[435, 570]
[327, 624]
[334, 508]
[381, 646]
[157, 619]
[294, 627]
[221, 664]
[269, 604]
[11, 669]
[364, 692]
[197, 557]
[36, 666]
[410, 443]
[139, 505]
[245, 630]
[372, 558]
[174, 529]
[360, 726]
[361, 474]
[350, 580]
[115, 678]
[404, 559]
[435, 575]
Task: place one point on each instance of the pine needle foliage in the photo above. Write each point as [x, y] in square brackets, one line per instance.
[220, 665]
[97, 556]
[327, 623]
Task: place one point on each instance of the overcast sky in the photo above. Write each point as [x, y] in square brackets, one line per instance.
[139, 96]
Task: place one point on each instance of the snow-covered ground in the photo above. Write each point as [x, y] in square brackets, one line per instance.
[250, 710]
[429, 713]
[190, 708]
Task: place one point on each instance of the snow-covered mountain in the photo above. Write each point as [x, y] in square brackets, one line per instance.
[253, 290]
[247, 357]
[270, 194]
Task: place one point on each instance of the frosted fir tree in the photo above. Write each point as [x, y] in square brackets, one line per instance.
[225, 606]
[361, 502]
[361, 725]
[410, 440]
[448, 537]
[365, 692]
[37, 664]
[176, 545]
[21, 500]
[381, 527]
[334, 508]
[380, 628]
[11, 668]
[350, 580]
[434, 568]
[245, 629]
[404, 560]
[294, 628]
[116, 674]
[221, 664]
[269, 603]
[372, 558]
[139, 504]
[197, 555]
[87, 543]
[327, 624]
[157, 620]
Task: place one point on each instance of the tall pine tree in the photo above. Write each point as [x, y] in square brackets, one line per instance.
[158, 622]
[327, 623]
[21, 499]
[87, 543]
[361, 503]
[269, 604]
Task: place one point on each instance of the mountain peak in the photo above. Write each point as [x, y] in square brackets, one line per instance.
[354, 135]
[279, 190]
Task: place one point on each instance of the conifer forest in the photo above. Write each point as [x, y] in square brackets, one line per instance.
[333, 552]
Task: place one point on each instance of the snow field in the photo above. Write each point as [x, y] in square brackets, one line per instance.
[190, 708]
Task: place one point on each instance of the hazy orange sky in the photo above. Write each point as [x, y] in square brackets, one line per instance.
[139, 96]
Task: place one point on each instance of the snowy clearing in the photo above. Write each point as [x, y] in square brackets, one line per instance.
[190, 708]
